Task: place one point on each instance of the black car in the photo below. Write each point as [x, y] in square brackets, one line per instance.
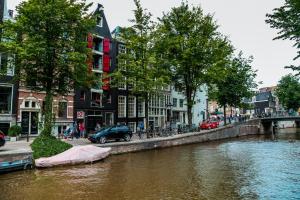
[111, 133]
[2, 139]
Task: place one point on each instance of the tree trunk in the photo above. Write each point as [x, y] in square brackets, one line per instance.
[189, 112]
[225, 123]
[48, 114]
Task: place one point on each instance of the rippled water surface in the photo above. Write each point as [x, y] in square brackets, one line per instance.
[248, 168]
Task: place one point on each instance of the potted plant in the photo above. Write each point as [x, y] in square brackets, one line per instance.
[13, 132]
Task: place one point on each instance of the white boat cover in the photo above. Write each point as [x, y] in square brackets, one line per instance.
[75, 155]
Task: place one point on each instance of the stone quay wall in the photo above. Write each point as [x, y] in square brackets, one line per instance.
[230, 131]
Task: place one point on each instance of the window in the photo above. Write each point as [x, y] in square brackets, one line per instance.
[96, 99]
[132, 126]
[122, 49]
[106, 97]
[26, 104]
[82, 95]
[131, 106]
[141, 107]
[181, 103]
[33, 104]
[100, 21]
[122, 84]
[121, 106]
[109, 119]
[6, 63]
[5, 100]
[97, 62]
[174, 102]
[62, 109]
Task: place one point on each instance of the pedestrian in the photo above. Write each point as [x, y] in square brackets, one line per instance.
[141, 129]
[98, 127]
[81, 129]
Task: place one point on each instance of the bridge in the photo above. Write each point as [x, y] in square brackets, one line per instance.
[269, 124]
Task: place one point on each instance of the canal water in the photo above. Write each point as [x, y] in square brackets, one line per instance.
[245, 168]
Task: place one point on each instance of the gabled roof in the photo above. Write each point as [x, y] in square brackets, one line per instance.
[104, 30]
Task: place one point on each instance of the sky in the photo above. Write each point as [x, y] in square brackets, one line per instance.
[243, 21]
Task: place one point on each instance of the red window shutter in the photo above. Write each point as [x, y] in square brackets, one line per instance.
[106, 45]
[90, 40]
[106, 63]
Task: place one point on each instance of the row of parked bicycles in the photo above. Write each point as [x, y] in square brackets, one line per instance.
[165, 132]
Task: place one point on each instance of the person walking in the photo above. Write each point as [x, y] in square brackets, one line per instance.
[81, 129]
[98, 127]
[141, 129]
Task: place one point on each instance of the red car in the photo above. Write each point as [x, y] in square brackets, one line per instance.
[209, 125]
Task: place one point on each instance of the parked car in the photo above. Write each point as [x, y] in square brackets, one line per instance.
[209, 125]
[111, 133]
[2, 139]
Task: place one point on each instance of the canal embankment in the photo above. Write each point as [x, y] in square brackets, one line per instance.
[21, 149]
[227, 132]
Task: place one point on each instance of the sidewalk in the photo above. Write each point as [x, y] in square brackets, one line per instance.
[18, 145]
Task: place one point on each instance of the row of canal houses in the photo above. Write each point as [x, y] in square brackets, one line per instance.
[102, 104]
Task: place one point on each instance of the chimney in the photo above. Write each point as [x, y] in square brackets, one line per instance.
[11, 13]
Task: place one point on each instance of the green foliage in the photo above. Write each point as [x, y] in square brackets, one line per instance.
[236, 84]
[138, 63]
[288, 92]
[287, 20]
[138, 67]
[46, 146]
[189, 45]
[14, 131]
[49, 41]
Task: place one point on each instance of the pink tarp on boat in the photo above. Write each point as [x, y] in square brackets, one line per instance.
[75, 155]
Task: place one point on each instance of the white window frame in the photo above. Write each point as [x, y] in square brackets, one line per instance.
[131, 106]
[141, 107]
[101, 22]
[122, 86]
[121, 106]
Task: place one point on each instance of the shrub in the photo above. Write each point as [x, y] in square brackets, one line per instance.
[14, 131]
[46, 146]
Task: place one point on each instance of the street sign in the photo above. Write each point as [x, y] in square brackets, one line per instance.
[80, 115]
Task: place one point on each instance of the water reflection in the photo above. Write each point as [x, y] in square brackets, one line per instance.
[251, 168]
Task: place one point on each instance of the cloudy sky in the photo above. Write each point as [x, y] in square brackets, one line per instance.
[241, 20]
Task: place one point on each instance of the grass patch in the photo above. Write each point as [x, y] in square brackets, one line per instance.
[46, 146]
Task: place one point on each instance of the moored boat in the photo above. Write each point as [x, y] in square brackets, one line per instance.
[75, 155]
[9, 166]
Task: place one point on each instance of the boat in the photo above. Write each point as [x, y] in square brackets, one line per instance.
[75, 155]
[10, 166]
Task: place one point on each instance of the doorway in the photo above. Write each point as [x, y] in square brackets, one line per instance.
[29, 122]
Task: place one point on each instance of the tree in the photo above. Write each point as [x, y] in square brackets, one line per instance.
[288, 92]
[287, 20]
[49, 41]
[189, 45]
[137, 66]
[237, 84]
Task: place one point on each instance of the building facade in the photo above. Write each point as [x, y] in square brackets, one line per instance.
[98, 104]
[30, 113]
[200, 108]
[8, 90]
